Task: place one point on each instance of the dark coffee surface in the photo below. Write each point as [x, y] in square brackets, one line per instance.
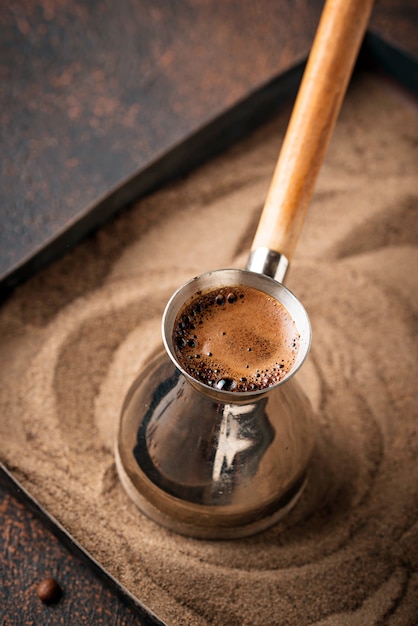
[235, 339]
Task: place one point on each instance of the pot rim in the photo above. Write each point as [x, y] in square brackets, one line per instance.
[228, 278]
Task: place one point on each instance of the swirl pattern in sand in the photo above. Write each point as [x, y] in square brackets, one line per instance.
[74, 337]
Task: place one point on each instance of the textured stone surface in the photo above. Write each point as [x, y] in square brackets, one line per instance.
[30, 554]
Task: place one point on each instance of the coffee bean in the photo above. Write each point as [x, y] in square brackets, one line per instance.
[49, 591]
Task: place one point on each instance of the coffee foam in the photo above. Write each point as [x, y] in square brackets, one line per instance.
[235, 338]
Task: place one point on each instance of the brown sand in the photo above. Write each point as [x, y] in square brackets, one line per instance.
[73, 338]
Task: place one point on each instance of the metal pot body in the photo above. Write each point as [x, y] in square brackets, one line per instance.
[208, 463]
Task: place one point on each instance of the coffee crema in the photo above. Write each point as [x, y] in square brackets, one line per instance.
[235, 339]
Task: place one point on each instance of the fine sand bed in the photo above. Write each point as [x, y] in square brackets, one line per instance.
[74, 337]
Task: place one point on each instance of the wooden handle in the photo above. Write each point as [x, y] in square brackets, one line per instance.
[335, 48]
